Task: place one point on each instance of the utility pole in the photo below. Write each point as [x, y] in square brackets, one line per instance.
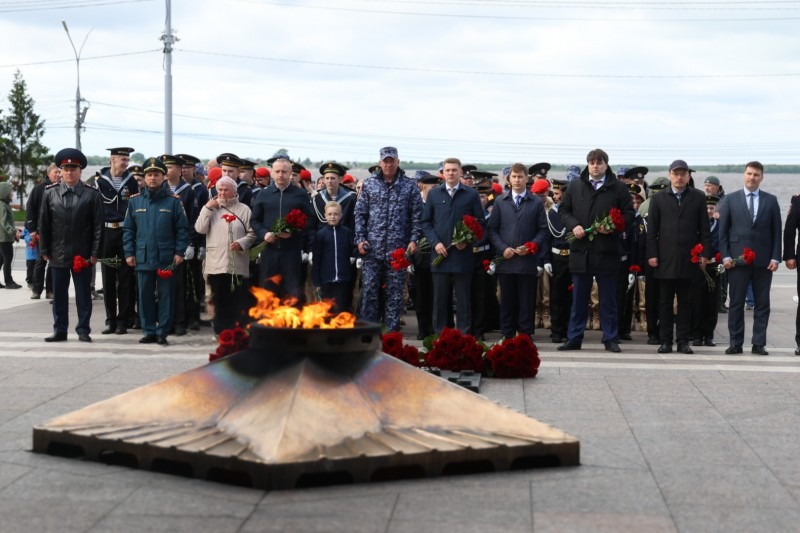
[80, 116]
[169, 40]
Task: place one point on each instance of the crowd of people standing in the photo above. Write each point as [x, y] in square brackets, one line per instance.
[598, 249]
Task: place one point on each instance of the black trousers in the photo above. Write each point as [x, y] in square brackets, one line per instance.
[7, 259]
[231, 301]
[667, 290]
[195, 290]
[517, 303]
[462, 284]
[287, 265]
[83, 299]
[423, 280]
[117, 282]
[560, 296]
[624, 299]
[181, 288]
[652, 302]
[485, 313]
[42, 276]
[341, 292]
[705, 305]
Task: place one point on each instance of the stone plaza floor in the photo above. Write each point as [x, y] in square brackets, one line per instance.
[703, 442]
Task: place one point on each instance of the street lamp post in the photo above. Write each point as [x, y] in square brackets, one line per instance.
[80, 116]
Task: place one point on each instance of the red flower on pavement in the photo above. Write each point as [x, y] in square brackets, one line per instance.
[514, 358]
[230, 341]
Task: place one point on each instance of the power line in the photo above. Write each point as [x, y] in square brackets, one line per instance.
[82, 59]
[495, 73]
[65, 5]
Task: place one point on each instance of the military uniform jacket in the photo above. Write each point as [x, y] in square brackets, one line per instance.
[388, 214]
[69, 231]
[673, 230]
[345, 197]
[115, 202]
[155, 229]
[581, 206]
[439, 218]
[244, 193]
[511, 227]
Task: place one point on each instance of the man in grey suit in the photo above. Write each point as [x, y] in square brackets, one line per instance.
[750, 218]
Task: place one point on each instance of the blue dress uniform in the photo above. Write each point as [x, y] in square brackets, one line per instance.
[560, 295]
[154, 232]
[705, 299]
[194, 262]
[118, 285]
[388, 217]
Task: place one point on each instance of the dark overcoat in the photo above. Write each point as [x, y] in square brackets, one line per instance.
[439, 218]
[510, 227]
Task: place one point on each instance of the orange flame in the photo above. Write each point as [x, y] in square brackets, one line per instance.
[270, 311]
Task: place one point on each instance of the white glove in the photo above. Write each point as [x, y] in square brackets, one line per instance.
[189, 255]
[353, 261]
[359, 262]
[539, 271]
[492, 269]
[310, 258]
[641, 278]
[201, 253]
[548, 267]
[410, 269]
[631, 280]
[305, 257]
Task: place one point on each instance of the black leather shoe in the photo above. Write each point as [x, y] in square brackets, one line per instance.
[797, 351]
[162, 341]
[180, 331]
[684, 348]
[569, 345]
[121, 330]
[665, 348]
[653, 341]
[733, 350]
[148, 339]
[697, 342]
[84, 337]
[759, 350]
[111, 328]
[612, 346]
[709, 342]
[625, 337]
[13, 285]
[56, 337]
[557, 339]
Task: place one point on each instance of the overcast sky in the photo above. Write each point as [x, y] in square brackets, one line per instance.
[486, 81]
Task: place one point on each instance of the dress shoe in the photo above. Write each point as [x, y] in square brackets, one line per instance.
[722, 309]
[121, 330]
[148, 339]
[96, 295]
[709, 342]
[111, 328]
[569, 345]
[625, 337]
[180, 331]
[797, 351]
[36, 295]
[759, 350]
[653, 341]
[13, 285]
[136, 324]
[162, 341]
[733, 350]
[84, 337]
[557, 339]
[56, 337]
[612, 346]
[665, 348]
[683, 347]
[697, 342]
[2, 286]
[48, 295]
[194, 326]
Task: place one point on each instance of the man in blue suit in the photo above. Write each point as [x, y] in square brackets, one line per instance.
[445, 207]
[750, 218]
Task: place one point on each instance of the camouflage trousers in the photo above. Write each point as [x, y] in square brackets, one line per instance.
[382, 293]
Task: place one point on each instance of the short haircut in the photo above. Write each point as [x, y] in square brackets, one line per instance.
[225, 180]
[282, 161]
[333, 203]
[597, 155]
[755, 164]
[452, 161]
[519, 168]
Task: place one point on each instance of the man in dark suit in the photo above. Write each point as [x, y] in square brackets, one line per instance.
[750, 218]
[677, 223]
[791, 249]
[594, 255]
[445, 207]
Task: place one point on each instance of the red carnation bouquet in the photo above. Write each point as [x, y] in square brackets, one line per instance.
[295, 220]
[393, 345]
[514, 358]
[33, 242]
[613, 221]
[467, 229]
[695, 253]
[79, 263]
[230, 341]
[166, 272]
[747, 258]
[530, 247]
[229, 218]
[455, 351]
[398, 260]
[636, 270]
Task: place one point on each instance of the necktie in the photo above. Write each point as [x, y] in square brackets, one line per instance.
[452, 191]
[678, 197]
[751, 207]
[517, 200]
[597, 184]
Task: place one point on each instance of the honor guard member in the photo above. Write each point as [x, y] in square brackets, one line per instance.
[262, 180]
[155, 235]
[485, 311]
[247, 172]
[332, 173]
[196, 252]
[638, 260]
[373, 169]
[636, 175]
[541, 188]
[536, 172]
[705, 297]
[230, 165]
[651, 285]
[70, 225]
[558, 269]
[184, 304]
[116, 185]
[423, 280]
[627, 278]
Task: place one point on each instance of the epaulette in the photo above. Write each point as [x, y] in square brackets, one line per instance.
[135, 195]
[51, 186]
